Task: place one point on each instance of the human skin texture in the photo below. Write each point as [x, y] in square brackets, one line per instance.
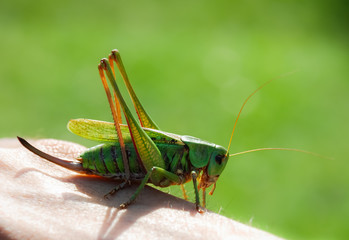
[40, 200]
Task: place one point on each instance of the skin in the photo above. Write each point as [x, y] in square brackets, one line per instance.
[40, 200]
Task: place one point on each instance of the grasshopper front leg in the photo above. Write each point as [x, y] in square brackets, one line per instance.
[197, 196]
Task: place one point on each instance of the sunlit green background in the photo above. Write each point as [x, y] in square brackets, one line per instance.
[192, 65]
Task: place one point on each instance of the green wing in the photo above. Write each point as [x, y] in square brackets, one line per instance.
[101, 131]
[97, 130]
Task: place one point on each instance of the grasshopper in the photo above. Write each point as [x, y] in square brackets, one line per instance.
[140, 152]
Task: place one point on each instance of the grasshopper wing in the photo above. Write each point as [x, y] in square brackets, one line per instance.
[101, 131]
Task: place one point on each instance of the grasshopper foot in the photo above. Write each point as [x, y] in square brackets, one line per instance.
[123, 206]
[200, 209]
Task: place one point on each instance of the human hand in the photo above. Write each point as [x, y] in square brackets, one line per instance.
[40, 200]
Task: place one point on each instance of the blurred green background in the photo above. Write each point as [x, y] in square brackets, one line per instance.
[192, 64]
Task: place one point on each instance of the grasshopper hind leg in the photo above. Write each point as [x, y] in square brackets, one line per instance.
[119, 187]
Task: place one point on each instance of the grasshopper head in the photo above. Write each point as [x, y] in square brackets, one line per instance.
[216, 164]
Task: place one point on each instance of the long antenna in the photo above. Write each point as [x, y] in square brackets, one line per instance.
[243, 105]
[283, 149]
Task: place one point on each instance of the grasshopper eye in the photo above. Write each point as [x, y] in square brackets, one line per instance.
[219, 159]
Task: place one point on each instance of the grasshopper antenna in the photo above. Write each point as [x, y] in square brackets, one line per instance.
[242, 107]
[263, 149]
[283, 149]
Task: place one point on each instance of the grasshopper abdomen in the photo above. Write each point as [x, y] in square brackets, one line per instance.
[106, 160]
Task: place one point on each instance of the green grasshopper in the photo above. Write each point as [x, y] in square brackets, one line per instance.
[140, 152]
